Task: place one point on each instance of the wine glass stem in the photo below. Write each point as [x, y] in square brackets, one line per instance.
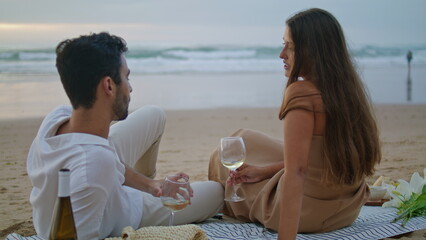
[172, 215]
[234, 193]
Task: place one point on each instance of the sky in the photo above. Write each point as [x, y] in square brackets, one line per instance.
[30, 23]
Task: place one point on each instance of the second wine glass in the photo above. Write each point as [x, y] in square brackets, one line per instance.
[175, 194]
[232, 156]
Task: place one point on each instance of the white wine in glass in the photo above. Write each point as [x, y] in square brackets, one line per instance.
[232, 156]
[174, 194]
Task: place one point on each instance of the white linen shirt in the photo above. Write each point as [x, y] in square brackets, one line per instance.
[102, 206]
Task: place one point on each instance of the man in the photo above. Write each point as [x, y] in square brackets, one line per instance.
[111, 167]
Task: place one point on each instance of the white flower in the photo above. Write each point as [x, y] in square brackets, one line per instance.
[404, 190]
[416, 183]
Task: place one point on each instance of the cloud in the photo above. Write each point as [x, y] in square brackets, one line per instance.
[379, 22]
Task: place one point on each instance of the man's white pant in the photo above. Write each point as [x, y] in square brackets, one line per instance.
[137, 141]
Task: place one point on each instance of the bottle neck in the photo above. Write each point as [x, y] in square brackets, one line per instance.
[64, 184]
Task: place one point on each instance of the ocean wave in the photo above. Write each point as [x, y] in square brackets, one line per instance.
[162, 65]
[216, 54]
[206, 59]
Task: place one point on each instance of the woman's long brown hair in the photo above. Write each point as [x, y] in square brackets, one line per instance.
[351, 146]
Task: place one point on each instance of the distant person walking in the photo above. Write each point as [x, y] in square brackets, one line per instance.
[409, 58]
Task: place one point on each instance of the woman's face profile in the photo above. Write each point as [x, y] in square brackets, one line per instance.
[287, 53]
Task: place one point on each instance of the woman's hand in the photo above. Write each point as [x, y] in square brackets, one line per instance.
[246, 174]
[251, 174]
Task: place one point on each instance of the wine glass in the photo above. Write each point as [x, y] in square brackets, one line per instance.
[232, 156]
[174, 194]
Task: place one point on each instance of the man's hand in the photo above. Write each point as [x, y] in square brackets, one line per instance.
[155, 188]
[178, 187]
[180, 175]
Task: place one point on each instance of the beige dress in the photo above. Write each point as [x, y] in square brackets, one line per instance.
[325, 207]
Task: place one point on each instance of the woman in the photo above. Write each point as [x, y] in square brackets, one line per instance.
[313, 181]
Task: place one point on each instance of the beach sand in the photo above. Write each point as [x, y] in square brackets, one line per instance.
[191, 136]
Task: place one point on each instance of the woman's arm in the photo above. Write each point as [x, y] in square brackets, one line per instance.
[298, 131]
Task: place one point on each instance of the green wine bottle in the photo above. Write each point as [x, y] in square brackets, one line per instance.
[63, 226]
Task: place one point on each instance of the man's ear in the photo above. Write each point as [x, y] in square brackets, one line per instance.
[108, 85]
